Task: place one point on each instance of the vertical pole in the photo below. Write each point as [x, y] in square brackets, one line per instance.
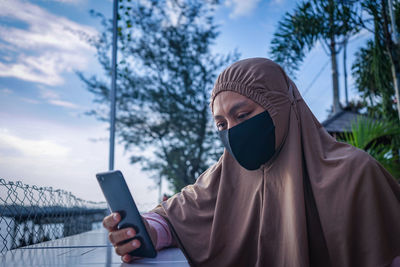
[335, 77]
[345, 70]
[159, 190]
[395, 74]
[394, 26]
[113, 85]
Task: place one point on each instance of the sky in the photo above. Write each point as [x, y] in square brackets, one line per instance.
[46, 138]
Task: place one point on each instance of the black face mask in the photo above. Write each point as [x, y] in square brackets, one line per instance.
[252, 142]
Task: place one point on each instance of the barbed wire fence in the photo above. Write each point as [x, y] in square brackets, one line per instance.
[31, 214]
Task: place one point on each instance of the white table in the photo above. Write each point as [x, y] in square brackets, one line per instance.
[87, 249]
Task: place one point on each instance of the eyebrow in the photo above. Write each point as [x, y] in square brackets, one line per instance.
[234, 108]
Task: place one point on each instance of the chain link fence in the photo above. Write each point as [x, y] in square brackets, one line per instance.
[31, 214]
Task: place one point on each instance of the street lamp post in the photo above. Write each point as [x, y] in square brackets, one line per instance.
[113, 86]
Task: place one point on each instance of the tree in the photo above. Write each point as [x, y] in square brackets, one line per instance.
[165, 74]
[371, 70]
[373, 66]
[393, 50]
[328, 21]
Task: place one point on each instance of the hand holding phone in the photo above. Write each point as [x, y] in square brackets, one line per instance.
[120, 201]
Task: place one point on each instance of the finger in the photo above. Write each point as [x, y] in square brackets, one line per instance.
[122, 235]
[111, 221]
[128, 258]
[127, 247]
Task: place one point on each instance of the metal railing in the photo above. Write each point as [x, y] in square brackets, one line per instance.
[31, 214]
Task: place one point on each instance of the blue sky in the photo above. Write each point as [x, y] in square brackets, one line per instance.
[45, 137]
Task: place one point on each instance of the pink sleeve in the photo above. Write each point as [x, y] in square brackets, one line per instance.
[395, 262]
[164, 237]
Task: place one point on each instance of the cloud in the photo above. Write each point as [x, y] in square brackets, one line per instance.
[74, 2]
[62, 157]
[241, 7]
[277, 2]
[49, 46]
[31, 148]
[64, 104]
[48, 94]
[54, 98]
[5, 91]
[30, 100]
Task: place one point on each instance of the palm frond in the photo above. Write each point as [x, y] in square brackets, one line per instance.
[375, 137]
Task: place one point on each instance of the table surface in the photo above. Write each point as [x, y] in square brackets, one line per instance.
[87, 249]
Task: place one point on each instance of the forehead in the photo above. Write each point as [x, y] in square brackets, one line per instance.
[225, 100]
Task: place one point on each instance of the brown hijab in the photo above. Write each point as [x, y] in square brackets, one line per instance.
[317, 202]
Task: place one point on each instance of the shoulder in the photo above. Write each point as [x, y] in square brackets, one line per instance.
[207, 183]
[358, 161]
[210, 175]
[366, 172]
[367, 165]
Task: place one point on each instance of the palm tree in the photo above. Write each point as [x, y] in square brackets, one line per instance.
[377, 66]
[376, 138]
[328, 21]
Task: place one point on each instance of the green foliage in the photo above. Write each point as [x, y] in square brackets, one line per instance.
[371, 69]
[373, 80]
[378, 138]
[312, 21]
[296, 34]
[165, 74]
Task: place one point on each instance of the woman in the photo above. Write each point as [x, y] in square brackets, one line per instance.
[284, 193]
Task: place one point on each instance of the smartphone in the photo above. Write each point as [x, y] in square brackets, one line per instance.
[120, 200]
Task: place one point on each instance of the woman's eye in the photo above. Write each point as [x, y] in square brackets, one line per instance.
[243, 115]
[220, 126]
